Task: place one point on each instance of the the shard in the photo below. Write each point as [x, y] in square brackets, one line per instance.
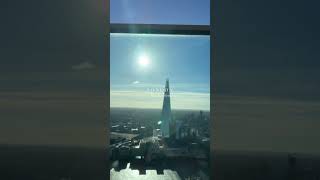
[166, 112]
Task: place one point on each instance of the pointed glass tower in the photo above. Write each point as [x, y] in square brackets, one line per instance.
[166, 112]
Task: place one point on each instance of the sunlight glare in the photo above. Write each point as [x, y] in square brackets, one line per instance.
[144, 60]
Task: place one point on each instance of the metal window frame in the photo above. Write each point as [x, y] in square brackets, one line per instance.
[160, 29]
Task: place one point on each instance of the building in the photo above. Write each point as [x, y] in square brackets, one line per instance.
[166, 119]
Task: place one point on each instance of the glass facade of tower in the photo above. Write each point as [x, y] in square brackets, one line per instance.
[166, 118]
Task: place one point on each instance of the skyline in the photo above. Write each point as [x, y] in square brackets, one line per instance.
[138, 76]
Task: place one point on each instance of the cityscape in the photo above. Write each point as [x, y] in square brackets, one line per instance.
[159, 107]
[148, 141]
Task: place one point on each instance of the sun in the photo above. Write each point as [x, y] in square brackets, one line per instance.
[144, 60]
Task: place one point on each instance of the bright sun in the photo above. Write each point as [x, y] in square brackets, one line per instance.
[144, 60]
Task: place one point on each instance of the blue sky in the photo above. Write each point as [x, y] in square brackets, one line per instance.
[185, 60]
[196, 12]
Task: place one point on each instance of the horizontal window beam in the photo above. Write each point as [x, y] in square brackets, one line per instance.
[160, 29]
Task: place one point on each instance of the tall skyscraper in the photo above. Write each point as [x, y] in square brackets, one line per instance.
[166, 112]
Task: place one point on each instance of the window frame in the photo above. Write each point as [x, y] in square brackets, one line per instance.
[160, 29]
[170, 29]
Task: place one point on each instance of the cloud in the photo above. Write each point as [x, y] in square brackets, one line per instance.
[177, 87]
[84, 66]
[149, 99]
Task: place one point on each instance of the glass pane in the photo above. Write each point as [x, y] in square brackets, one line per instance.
[191, 12]
[160, 106]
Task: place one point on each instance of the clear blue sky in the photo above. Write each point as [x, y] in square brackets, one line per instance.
[185, 60]
[195, 12]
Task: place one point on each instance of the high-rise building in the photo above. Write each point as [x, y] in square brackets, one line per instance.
[166, 112]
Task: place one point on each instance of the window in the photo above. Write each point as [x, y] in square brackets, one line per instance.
[159, 89]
